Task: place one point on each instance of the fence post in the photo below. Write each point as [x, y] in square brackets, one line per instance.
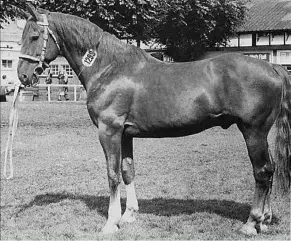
[75, 93]
[49, 93]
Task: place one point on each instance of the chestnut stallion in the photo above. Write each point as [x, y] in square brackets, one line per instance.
[131, 94]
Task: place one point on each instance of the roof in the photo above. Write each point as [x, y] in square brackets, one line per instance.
[267, 15]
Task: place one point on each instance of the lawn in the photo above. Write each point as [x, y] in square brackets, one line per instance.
[194, 187]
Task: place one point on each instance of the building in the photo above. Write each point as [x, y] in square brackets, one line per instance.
[265, 34]
[9, 51]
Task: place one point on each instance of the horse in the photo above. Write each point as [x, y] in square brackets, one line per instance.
[130, 94]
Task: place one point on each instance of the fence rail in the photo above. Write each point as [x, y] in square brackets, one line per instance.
[60, 86]
[47, 88]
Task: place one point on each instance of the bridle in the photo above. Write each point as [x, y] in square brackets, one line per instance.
[41, 60]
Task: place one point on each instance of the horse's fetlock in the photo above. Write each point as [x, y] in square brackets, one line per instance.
[257, 215]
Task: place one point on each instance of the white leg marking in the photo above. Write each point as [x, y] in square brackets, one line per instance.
[131, 204]
[114, 212]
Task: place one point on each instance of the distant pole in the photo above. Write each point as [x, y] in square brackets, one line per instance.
[75, 93]
[49, 93]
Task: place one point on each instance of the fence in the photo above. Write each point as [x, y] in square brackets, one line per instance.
[60, 87]
[42, 92]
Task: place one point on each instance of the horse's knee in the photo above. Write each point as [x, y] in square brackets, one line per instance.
[127, 170]
[114, 179]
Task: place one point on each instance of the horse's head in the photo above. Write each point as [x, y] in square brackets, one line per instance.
[39, 47]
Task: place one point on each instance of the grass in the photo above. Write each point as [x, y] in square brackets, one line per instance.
[195, 187]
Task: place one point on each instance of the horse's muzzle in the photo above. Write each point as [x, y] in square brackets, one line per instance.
[29, 82]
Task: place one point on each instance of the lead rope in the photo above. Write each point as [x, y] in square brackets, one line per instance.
[13, 121]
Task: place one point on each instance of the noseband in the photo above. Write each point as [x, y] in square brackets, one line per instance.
[41, 60]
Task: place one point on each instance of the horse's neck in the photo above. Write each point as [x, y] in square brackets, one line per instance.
[108, 48]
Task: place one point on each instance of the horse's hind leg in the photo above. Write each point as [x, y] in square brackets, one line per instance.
[256, 140]
[127, 167]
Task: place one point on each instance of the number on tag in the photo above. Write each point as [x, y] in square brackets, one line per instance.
[89, 57]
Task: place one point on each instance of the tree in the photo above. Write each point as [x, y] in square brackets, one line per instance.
[9, 10]
[189, 27]
[132, 19]
[185, 27]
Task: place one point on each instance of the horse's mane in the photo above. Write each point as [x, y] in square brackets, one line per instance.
[84, 34]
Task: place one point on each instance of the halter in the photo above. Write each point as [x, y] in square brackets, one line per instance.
[39, 69]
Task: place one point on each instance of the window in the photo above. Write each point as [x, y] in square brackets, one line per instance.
[277, 39]
[67, 68]
[263, 39]
[245, 40]
[54, 69]
[284, 58]
[7, 64]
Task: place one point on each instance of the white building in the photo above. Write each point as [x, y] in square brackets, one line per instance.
[265, 34]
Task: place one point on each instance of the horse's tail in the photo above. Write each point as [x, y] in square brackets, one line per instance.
[283, 136]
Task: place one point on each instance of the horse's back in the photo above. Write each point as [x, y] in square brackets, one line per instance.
[193, 96]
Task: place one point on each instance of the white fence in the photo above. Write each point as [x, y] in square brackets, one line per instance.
[60, 86]
[47, 92]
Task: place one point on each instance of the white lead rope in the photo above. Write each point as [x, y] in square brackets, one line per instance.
[13, 121]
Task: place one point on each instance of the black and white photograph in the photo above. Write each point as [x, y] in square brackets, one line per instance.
[145, 119]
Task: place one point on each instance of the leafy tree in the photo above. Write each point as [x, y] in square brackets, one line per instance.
[188, 27]
[125, 18]
[185, 27]
[9, 10]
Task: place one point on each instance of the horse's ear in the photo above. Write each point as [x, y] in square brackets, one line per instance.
[31, 9]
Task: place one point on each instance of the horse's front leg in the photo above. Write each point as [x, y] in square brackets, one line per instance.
[110, 139]
[127, 168]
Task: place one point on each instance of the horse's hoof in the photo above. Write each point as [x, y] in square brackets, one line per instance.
[249, 230]
[110, 229]
[128, 216]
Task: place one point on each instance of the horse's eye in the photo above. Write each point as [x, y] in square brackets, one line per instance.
[35, 36]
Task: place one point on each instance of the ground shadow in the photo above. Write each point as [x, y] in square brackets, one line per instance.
[156, 206]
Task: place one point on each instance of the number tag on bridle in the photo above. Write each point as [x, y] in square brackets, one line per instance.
[89, 57]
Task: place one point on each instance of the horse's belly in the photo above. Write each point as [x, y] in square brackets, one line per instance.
[134, 131]
[166, 129]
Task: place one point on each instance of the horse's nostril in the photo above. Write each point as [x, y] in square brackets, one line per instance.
[24, 76]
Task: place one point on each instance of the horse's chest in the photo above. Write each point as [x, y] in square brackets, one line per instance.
[113, 100]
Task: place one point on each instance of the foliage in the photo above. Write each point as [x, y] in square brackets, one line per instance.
[187, 27]
[9, 10]
[124, 18]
